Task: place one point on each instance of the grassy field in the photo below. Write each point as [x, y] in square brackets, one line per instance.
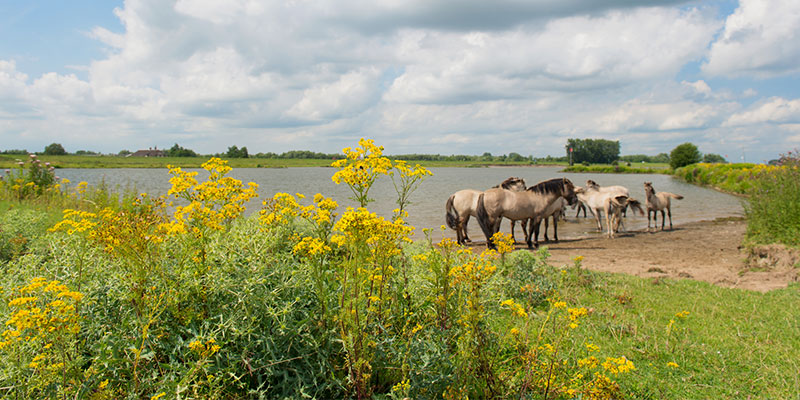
[72, 161]
[687, 339]
[133, 298]
[732, 344]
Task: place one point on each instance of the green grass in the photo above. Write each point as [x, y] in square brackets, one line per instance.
[733, 344]
[647, 168]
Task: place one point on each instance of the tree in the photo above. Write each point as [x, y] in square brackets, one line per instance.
[235, 152]
[54, 149]
[178, 151]
[597, 151]
[684, 155]
[712, 158]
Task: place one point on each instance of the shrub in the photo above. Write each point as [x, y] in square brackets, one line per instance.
[683, 155]
[773, 210]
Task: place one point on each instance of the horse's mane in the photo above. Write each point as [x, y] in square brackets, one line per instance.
[508, 182]
[554, 185]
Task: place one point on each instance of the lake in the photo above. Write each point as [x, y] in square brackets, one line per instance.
[428, 202]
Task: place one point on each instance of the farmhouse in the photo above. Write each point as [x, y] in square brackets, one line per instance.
[152, 152]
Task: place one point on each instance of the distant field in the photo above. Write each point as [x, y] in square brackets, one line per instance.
[640, 168]
[72, 161]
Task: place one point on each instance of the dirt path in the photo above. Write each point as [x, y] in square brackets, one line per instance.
[707, 251]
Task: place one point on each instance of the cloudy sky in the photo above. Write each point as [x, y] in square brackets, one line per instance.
[418, 76]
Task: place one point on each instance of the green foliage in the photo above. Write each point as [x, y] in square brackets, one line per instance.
[734, 178]
[54, 149]
[617, 169]
[597, 151]
[712, 158]
[15, 152]
[28, 180]
[773, 209]
[178, 151]
[642, 158]
[235, 152]
[683, 155]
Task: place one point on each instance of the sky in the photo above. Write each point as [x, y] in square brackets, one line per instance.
[417, 76]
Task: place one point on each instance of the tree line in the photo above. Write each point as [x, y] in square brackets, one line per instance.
[582, 151]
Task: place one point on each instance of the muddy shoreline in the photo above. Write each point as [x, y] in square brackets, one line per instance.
[709, 251]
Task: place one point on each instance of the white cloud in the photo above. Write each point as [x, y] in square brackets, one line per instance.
[774, 110]
[418, 76]
[761, 38]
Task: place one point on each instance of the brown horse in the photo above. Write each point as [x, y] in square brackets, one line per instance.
[557, 210]
[658, 202]
[464, 203]
[495, 204]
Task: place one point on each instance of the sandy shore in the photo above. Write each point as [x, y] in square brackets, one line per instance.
[709, 251]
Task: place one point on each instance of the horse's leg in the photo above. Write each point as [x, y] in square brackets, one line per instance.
[662, 219]
[669, 212]
[535, 234]
[555, 229]
[648, 219]
[464, 225]
[546, 227]
[597, 219]
[513, 225]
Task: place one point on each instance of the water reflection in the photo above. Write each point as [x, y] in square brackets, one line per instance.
[427, 208]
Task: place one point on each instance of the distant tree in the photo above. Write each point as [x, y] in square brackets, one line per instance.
[596, 151]
[712, 158]
[178, 151]
[124, 152]
[683, 155]
[15, 152]
[54, 149]
[235, 152]
[660, 158]
[86, 153]
[515, 157]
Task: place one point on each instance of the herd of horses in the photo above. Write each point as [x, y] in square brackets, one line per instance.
[548, 200]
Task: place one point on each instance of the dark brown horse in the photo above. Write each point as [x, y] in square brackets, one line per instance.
[496, 204]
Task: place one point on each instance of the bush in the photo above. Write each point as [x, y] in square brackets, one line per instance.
[683, 155]
[54, 149]
[773, 210]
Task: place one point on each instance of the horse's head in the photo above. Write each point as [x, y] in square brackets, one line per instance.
[569, 192]
[590, 184]
[648, 187]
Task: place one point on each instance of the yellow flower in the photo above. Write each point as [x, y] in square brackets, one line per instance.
[672, 364]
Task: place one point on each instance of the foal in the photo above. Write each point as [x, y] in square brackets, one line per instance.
[658, 202]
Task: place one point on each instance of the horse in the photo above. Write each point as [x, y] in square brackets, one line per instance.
[658, 202]
[557, 210]
[494, 204]
[463, 203]
[611, 200]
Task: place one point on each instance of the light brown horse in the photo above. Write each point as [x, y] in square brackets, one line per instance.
[658, 202]
[496, 204]
[464, 203]
[610, 201]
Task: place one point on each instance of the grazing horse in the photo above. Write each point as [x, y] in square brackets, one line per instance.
[611, 201]
[494, 204]
[557, 210]
[658, 202]
[463, 203]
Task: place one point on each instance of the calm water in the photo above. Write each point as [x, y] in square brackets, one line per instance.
[427, 209]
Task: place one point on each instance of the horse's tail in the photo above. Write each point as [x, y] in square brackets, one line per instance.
[636, 205]
[451, 216]
[675, 196]
[483, 220]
